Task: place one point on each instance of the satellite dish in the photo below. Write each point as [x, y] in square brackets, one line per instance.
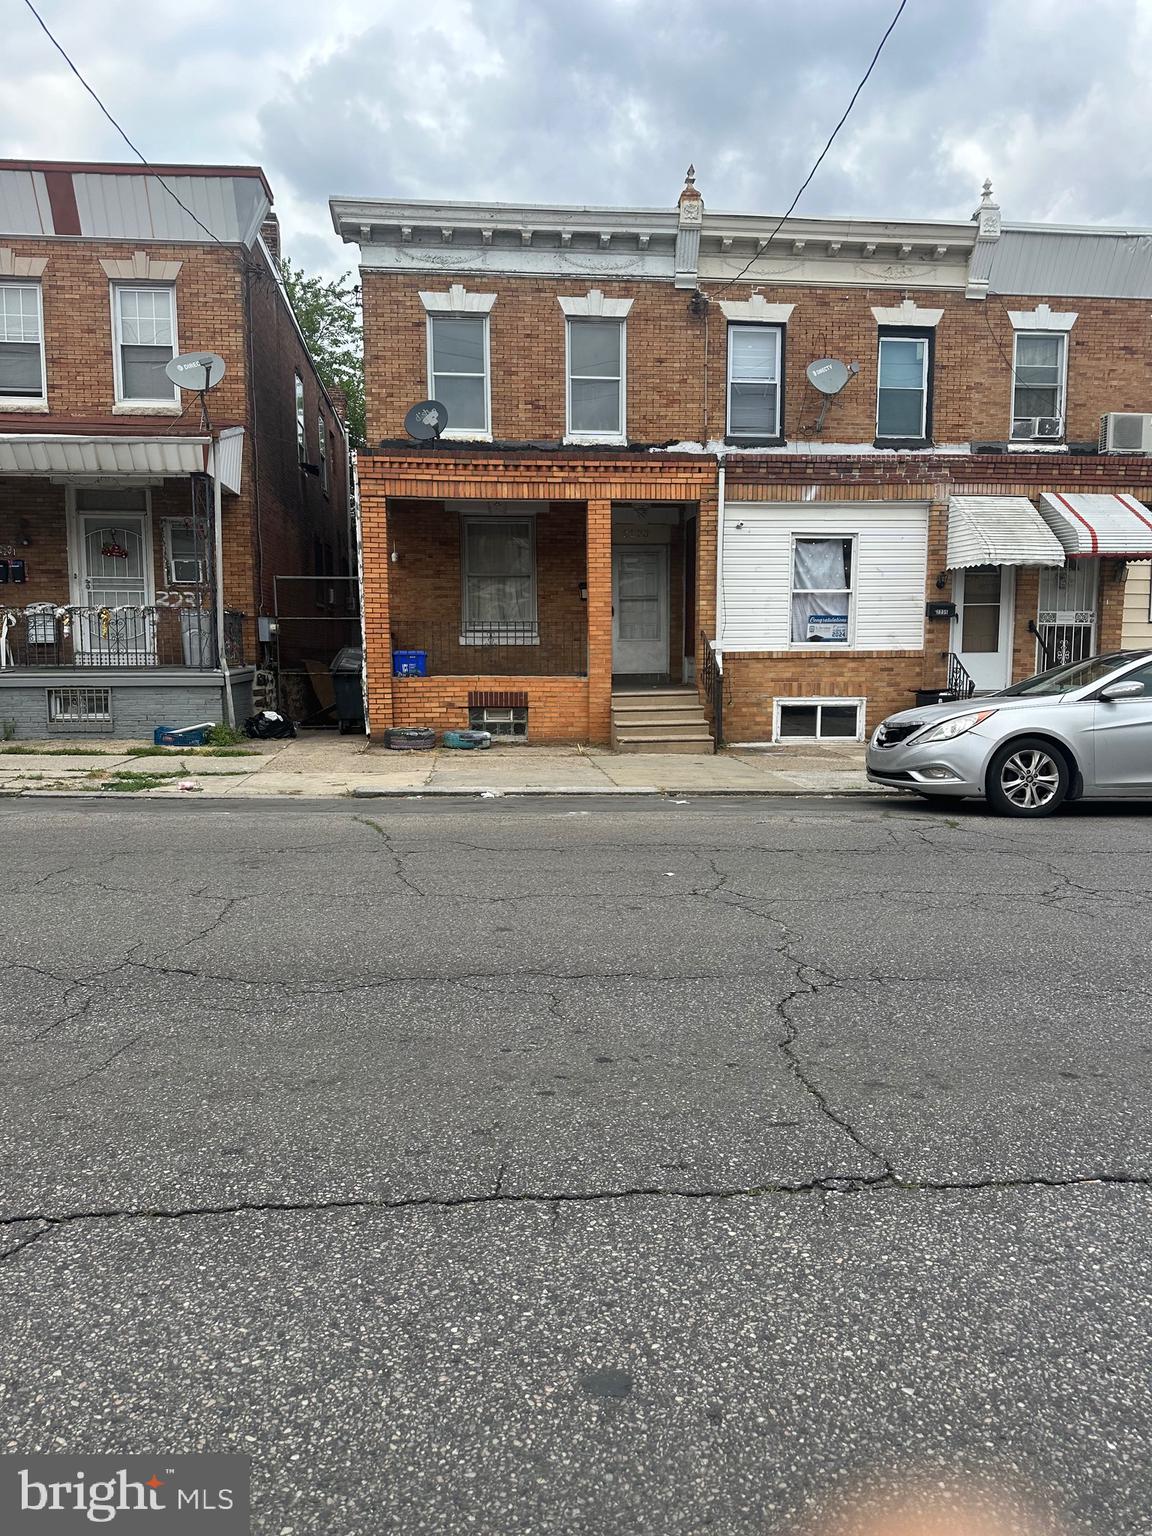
[196, 370]
[426, 419]
[828, 375]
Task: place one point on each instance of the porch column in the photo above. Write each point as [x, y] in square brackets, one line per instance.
[599, 574]
[376, 605]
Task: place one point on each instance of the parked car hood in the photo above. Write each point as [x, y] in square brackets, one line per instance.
[932, 713]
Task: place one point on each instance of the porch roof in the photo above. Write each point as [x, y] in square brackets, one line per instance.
[999, 530]
[54, 453]
[1099, 524]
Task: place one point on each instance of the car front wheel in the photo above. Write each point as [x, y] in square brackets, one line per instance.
[1028, 777]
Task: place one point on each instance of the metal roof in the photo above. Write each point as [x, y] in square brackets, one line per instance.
[999, 530]
[1095, 523]
[1083, 263]
[127, 204]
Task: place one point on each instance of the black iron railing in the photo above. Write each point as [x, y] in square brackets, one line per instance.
[712, 679]
[442, 649]
[961, 684]
[127, 636]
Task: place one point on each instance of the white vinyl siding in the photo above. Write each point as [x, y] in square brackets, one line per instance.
[1138, 607]
[891, 561]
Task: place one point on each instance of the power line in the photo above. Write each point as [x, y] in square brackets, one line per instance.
[60, 50]
[831, 139]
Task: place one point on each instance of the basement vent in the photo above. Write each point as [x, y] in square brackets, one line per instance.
[511, 724]
[498, 698]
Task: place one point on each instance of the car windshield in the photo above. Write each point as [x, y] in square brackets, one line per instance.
[1074, 674]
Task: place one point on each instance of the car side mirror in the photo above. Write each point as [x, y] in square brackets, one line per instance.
[1122, 690]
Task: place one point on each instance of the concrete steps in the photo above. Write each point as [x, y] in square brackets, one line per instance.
[660, 720]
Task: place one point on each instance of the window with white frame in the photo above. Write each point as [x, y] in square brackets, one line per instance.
[819, 720]
[185, 552]
[498, 586]
[145, 326]
[21, 342]
[902, 403]
[754, 380]
[595, 378]
[1038, 374]
[322, 449]
[301, 430]
[822, 576]
[458, 371]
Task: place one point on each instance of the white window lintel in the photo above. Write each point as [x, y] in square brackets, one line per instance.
[757, 308]
[12, 265]
[909, 313]
[141, 267]
[594, 306]
[457, 301]
[1042, 319]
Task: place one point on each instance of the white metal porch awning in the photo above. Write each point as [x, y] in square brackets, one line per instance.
[1089, 524]
[999, 530]
[29, 453]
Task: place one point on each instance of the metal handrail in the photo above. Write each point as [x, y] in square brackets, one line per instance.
[712, 677]
[961, 683]
[128, 635]
[511, 649]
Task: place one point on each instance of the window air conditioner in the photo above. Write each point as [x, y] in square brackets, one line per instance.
[1126, 432]
[1037, 426]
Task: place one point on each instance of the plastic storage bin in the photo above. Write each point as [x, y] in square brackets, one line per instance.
[181, 736]
[409, 663]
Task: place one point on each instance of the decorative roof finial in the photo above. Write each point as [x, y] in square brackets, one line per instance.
[690, 176]
[986, 194]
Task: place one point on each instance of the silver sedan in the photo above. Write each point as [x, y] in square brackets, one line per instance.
[1081, 731]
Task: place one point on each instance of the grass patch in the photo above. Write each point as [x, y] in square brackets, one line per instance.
[125, 782]
[57, 752]
[189, 752]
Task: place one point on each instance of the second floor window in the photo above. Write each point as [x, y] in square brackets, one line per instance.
[458, 370]
[596, 378]
[301, 430]
[1038, 384]
[322, 449]
[145, 344]
[21, 342]
[753, 381]
[903, 408]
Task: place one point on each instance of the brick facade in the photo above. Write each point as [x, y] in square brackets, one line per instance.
[227, 301]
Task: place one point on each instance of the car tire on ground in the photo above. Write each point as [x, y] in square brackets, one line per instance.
[1027, 777]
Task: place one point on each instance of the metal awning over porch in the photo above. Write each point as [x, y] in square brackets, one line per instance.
[1093, 524]
[999, 530]
[28, 453]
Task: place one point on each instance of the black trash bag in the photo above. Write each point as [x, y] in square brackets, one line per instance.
[269, 726]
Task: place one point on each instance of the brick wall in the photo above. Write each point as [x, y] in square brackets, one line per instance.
[677, 362]
[557, 706]
[754, 680]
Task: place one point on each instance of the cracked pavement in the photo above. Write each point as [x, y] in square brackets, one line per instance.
[509, 1167]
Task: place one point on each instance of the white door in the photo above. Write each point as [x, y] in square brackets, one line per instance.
[114, 583]
[982, 636]
[640, 609]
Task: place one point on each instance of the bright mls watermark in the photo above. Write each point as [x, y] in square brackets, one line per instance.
[144, 1494]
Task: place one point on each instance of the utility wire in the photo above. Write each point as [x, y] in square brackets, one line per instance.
[60, 50]
[831, 139]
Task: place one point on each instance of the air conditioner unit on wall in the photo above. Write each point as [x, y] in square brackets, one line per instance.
[1027, 427]
[1126, 432]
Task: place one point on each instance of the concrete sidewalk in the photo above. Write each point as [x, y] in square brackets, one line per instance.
[323, 764]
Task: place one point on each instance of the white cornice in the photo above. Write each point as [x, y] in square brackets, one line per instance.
[457, 301]
[1042, 319]
[596, 306]
[757, 308]
[908, 313]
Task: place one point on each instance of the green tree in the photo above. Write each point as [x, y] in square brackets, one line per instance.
[329, 315]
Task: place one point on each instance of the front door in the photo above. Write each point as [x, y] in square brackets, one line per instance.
[117, 624]
[640, 609]
[1122, 739]
[983, 640]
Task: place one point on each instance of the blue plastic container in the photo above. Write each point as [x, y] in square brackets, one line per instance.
[177, 736]
[409, 663]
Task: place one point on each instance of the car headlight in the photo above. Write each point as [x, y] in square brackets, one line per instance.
[948, 730]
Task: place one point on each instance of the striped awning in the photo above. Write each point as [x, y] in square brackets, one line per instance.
[999, 530]
[34, 453]
[1099, 524]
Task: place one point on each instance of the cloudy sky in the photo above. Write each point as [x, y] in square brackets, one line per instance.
[606, 101]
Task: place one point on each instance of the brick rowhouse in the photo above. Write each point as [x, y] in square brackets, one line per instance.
[1007, 343]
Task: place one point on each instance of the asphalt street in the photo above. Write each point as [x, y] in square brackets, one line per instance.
[527, 1167]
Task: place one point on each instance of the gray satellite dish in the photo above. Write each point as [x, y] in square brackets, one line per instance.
[426, 419]
[828, 375]
[196, 370]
